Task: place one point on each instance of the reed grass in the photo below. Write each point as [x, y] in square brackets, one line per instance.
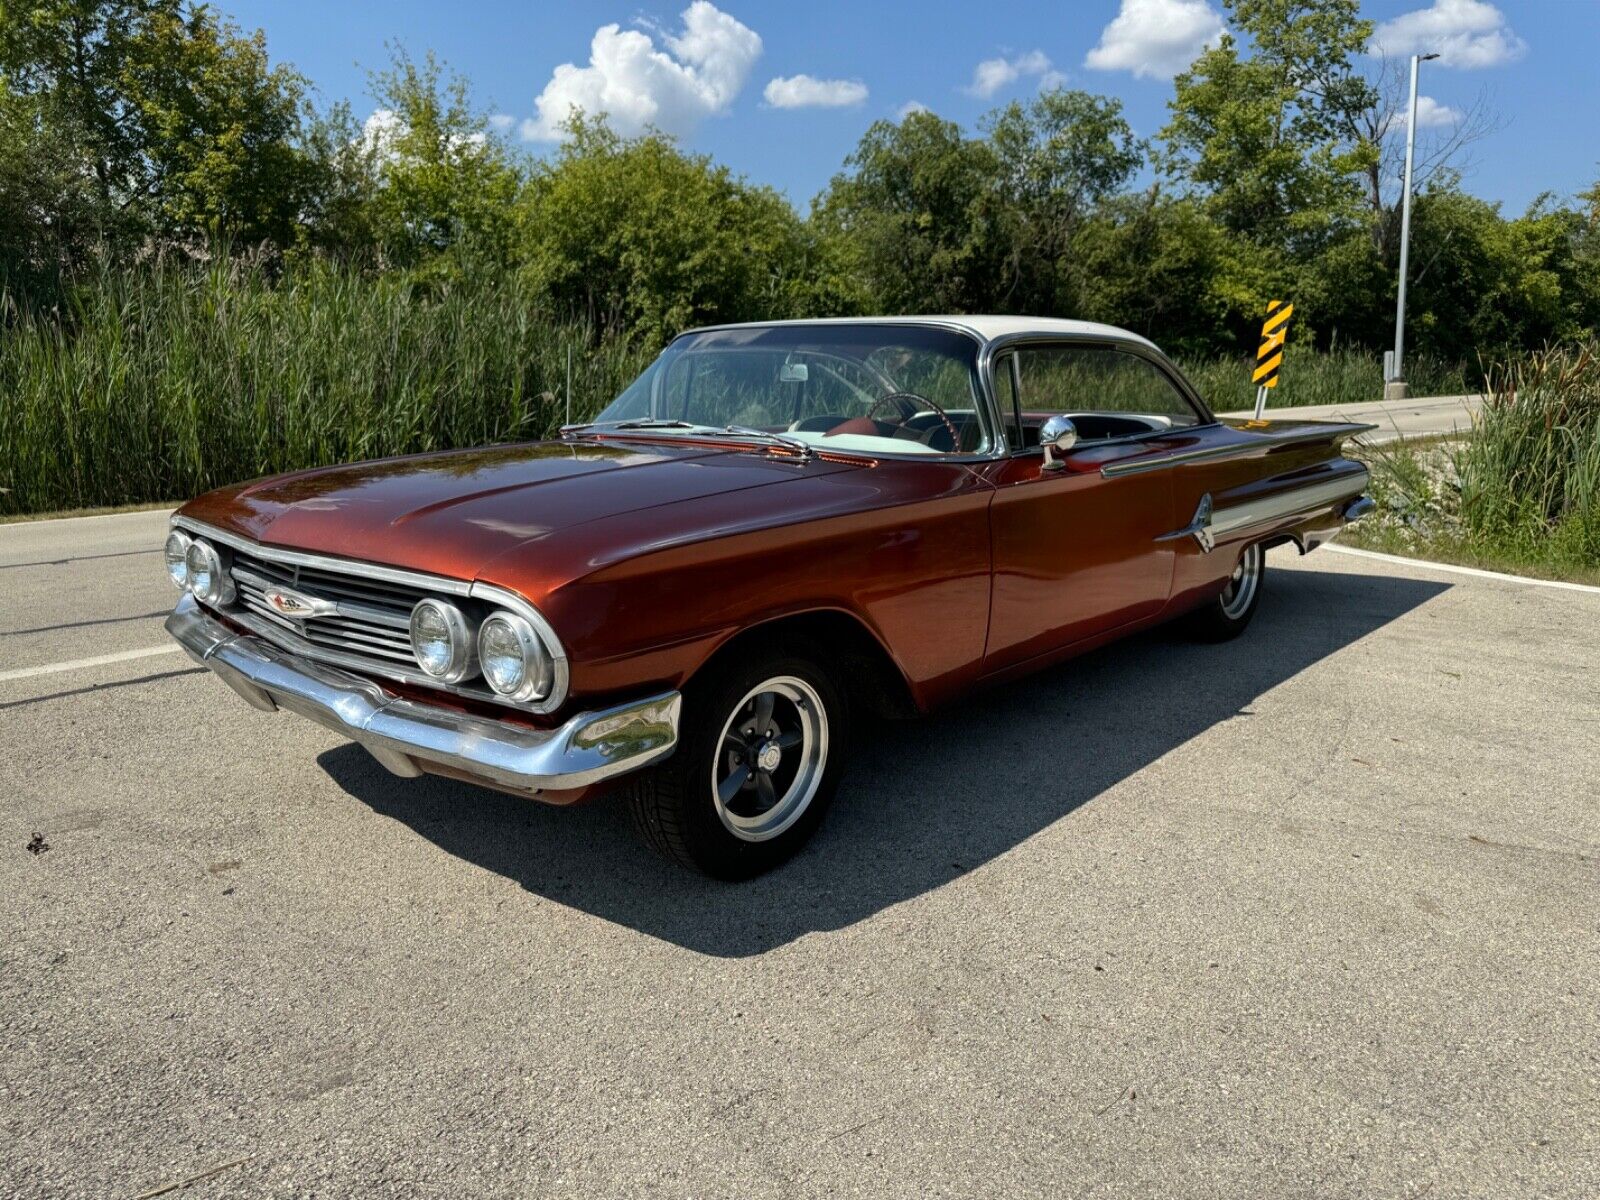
[170, 381]
[1343, 375]
[1530, 475]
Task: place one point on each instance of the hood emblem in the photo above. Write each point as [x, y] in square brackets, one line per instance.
[295, 605]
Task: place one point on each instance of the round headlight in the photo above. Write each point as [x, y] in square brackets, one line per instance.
[177, 568]
[513, 658]
[441, 639]
[208, 580]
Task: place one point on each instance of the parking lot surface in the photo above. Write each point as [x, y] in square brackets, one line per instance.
[1315, 913]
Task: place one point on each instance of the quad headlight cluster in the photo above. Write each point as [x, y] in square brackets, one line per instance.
[451, 647]
[195, 566]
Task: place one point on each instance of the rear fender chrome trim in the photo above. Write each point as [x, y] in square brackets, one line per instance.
[1199, 528]
[1211, 523]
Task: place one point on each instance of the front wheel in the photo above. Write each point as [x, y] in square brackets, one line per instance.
[1227, 615]
[759, 757]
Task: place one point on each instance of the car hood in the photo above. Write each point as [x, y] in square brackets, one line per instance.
[452, 513]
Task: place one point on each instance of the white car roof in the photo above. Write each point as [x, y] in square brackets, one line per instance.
[988, 328]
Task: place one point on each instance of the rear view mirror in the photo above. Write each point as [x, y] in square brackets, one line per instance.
[793, 373]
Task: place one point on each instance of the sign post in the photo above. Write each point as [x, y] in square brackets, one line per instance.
[1269, 359]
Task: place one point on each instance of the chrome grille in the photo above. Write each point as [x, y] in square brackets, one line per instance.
[358, 615]
[372, 618]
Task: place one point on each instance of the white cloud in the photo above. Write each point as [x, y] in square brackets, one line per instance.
[1155, 39]
[992, 74]
[698, 74]
[802, 91]
[1430, 114]
[909, 107]
[501, 122]
[385, 127]
[1463, 33]
[380, 130]
[1051, 80]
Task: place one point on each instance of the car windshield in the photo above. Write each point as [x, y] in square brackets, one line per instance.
[877, 389]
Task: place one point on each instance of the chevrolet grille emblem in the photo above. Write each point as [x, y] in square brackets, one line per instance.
[296, 606]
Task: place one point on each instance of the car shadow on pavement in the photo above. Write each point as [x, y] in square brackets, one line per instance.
[924, 801]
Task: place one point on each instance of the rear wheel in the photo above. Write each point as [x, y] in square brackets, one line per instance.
[759, 756]
[1227, 615]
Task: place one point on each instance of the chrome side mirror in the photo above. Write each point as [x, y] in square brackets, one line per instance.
[1057, 437]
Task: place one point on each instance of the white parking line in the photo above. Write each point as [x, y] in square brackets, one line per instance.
[1452, 569]
[83, 663]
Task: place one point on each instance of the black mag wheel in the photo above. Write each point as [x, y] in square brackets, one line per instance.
[760, 753]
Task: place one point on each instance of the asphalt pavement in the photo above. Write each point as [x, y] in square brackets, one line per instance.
[1315, 913]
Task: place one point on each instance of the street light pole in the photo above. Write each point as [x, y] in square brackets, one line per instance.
[1394, 387]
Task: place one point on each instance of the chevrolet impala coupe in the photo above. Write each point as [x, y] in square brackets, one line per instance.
[777, 531]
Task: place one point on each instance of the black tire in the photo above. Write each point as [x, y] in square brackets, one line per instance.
[1226, 616]
[675, 807]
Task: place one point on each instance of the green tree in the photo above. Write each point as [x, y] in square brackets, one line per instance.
[175, 118]
[438, 179]
[1059, 157]
[635, 234]
[1268, 136]
[912, 218]
[220, 130]
[49, 211]
[1159, 265]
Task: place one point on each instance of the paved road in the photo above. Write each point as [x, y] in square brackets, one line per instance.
[1314, 914]
[1423, 416]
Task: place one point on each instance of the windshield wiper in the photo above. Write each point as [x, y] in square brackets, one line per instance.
[659, 423]
[635, 423]
[781, 439]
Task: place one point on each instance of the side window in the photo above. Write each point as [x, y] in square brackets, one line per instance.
[1100, 379]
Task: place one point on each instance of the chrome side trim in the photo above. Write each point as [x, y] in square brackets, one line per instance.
[437, 584]
[1204, 453]
[1211, 523]
[1304, 499]
[586, 749]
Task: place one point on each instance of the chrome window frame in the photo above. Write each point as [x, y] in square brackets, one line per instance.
[440, 585]
[1014, 341]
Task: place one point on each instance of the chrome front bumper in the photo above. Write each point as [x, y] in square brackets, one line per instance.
[405, 735]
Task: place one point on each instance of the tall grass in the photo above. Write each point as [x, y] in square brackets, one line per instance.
[1530, 476]
[1341, 376]
[160, 383]
[166, 382]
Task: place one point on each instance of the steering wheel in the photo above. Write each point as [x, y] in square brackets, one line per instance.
[910, 404]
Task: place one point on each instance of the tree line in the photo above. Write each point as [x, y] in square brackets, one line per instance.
[136, 133]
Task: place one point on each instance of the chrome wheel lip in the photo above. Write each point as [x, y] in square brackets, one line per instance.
[811, 721]
[1241, 590]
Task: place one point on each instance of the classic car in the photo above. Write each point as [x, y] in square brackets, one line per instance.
[776, 532]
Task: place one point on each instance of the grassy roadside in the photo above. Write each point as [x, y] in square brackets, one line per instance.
[1417, 487]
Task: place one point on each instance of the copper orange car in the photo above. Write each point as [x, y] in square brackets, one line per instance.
[775, 534]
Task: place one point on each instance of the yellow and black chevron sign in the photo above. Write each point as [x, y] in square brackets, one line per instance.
[1270, 357]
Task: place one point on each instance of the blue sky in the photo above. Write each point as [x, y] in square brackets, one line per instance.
[781, 92]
